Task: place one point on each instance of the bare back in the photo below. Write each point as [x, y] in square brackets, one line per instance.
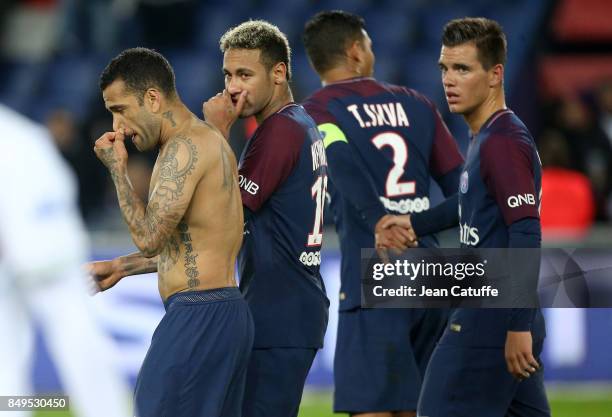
[199, 168]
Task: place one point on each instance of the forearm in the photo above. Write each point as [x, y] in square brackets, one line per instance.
[144, 227]
[525, 233]
[136, 264]
[443, 216]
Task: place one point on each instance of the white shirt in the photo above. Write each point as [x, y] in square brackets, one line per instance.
[41, 232]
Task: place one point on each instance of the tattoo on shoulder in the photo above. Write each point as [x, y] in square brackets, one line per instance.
[168, 115]
[228, 178]
[191, 268]
[171, 175]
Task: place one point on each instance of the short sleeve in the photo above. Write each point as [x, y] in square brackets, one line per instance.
[269, 159]
[507, 170]
[445, 155]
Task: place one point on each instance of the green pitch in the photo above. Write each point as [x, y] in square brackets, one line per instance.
[564, 403]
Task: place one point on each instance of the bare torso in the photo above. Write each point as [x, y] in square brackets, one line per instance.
[201, 252]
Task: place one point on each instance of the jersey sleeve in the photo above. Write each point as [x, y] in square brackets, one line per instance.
[525, 233]
[441, 217]
[269, 159]
[317, 111]
[445, 155]
[507, 170]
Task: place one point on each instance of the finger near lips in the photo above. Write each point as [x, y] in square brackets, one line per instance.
[105, 139]
[240, 99]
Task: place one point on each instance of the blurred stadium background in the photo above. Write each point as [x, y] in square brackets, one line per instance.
[558, 80]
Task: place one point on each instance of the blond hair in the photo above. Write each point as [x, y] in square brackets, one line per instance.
[261, 35]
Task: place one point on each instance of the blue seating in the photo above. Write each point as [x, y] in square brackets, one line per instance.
[406, 39]
[305, 80]
[20, 82]
[69, 83]
[433, 19]
[198, 76]
[390, 31]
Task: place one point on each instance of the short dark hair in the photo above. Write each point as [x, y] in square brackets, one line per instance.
[264, 36]
[328, 34]
[486, 34]
[140, 69]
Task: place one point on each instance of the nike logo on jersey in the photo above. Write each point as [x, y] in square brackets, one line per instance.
[374, 115]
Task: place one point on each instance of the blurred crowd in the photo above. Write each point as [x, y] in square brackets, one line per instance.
[574, 133]
[575, 147]
[35, 32]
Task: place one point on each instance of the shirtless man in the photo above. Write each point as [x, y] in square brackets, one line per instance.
[190, 232]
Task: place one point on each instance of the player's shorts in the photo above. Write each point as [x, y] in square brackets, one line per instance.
[275, 381]
[474, 382]
[381, 357]
[197, 362]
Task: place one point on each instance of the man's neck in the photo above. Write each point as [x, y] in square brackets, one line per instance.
[277, 102]
[337, 74]
[481, 114]
[174, 119]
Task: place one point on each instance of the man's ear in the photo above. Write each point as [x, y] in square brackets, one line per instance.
[279, 73]
[355, 51]
[152, 99]
[496, 75]
[355, 56]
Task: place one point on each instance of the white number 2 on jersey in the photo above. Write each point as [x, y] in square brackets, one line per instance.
[400, 157]
[319, 190]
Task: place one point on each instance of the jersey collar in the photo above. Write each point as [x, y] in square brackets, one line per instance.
[350, 80]
[290, 104]
[493, 118]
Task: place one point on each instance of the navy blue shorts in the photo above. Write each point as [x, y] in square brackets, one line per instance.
[474, 382]
[381, 357]
[197, 362]
[275, 381]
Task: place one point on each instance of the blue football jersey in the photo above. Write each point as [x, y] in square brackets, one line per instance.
[398, 142]
[283, 179]
[500, 184]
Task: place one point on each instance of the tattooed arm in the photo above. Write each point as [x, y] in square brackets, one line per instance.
[179, 173]
[136, 264]
[107, 273]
